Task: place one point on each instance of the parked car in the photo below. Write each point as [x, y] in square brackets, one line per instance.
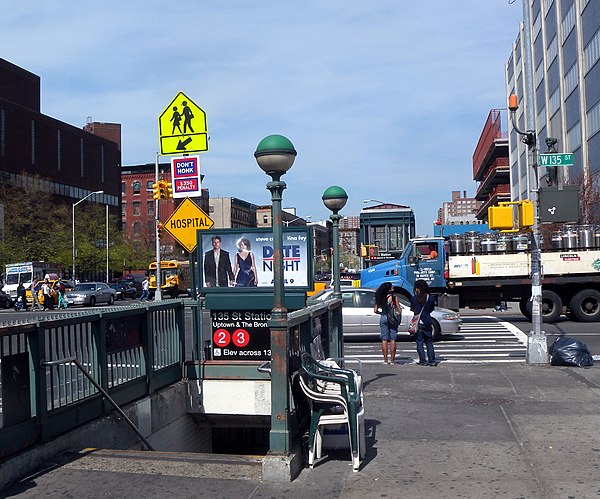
[361, 322]
[90, 293]
[5, 300]
[135, 280]
[124, 290]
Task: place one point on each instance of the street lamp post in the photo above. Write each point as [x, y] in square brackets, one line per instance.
[335, 199]
[73, 225]
[275, 155]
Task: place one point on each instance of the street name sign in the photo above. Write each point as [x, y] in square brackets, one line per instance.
[556, 159]
[185, 176]
[182, 127]
[185, 221]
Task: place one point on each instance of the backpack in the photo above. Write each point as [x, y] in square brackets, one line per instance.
[394, 314]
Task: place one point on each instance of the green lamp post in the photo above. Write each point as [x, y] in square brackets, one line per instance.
[335, 199]
[275, 155]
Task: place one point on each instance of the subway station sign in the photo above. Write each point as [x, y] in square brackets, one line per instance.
[241, 335]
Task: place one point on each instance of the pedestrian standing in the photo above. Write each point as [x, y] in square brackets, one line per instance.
[145, 289]
[34, 295]
[384, 299]
[48, 298]
[422, 304]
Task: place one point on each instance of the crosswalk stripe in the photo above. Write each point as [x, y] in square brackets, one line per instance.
[482, 339]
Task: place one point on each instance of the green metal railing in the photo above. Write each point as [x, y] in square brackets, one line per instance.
[130, 352]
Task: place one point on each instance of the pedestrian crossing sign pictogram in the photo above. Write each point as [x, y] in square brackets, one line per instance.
[182, 127]
[187, 218]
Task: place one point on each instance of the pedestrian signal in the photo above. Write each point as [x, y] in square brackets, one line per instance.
[526, 218]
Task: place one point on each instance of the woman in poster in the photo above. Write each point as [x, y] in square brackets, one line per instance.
[244, 267]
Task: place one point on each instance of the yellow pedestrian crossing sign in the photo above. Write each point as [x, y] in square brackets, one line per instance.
[185, 221]
[182, 127]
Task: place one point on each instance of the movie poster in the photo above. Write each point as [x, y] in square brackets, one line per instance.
[244, 259]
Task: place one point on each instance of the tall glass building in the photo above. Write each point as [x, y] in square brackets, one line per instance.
[565, 69]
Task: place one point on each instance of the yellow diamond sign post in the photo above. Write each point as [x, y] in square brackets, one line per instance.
[185, 221]
[182, 127]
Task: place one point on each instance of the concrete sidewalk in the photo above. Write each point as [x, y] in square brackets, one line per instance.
[473, 431]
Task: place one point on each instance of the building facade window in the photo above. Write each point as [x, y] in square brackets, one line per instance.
[537, 26]
[136, 208]
[541, 118]
[574, 137]
[123, 209]
[123, 188]
[149, 185]
[568, 23]
[539, 74]
[547, 6]
[592, 51]
[571, 79]
[554, 102]
[150, 208]
[137, 228]
[593, 117]
[137, 186]
[552, 51]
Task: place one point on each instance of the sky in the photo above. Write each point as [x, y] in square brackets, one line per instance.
[385, 98]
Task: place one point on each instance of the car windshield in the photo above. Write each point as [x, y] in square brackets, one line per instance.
[85, 287]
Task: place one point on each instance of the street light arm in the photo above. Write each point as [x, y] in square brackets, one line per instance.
[89, 195]
[288, 222]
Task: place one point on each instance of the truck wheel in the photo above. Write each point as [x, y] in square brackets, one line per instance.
[551, 306]
[585, 305]
[525, 307]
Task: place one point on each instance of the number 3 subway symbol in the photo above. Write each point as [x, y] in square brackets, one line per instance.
[221, 337]
[241, 337]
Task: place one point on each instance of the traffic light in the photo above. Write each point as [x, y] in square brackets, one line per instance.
[162, 189]
[169, 189]
[159, 230]
[155, 191]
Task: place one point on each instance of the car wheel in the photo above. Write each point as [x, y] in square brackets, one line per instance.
[111, 300]
[92, 301]
[437, 330]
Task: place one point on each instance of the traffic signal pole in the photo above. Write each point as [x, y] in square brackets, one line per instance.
[158, 292]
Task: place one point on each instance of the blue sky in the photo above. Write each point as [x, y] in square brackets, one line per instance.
[385, 98]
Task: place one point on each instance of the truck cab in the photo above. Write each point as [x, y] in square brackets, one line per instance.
[422, 258]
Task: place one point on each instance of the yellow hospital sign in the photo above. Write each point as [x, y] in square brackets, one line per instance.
[185, 221]
[182, 127]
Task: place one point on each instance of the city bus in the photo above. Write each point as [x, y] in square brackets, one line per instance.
[24, 272]
[175, 277]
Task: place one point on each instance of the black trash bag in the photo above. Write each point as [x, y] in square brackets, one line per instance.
[567, 351]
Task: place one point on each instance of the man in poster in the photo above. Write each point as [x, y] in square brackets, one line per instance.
[217, 266]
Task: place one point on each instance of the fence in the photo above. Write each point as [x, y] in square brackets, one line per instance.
[131, 352]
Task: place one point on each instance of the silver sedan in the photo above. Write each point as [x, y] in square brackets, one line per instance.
[361, 322]
[90, 293]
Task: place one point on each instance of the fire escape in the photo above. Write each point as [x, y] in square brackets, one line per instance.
[491, 167]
